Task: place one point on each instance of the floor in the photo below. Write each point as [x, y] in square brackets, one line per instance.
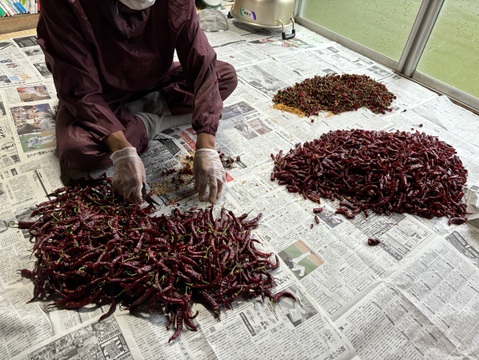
[414, 296]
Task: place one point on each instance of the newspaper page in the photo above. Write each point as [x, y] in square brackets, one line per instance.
[413, 296]
[15, 67]
[427, 310]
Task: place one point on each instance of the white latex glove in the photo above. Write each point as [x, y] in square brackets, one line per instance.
[209, 172]
[129, 174]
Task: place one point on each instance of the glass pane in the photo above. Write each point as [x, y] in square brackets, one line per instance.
[452, 52]
[381, 25]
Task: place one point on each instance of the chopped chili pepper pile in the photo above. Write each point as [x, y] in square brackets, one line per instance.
[185, 175]
[93, 248]
[380, 171]
[335, 93]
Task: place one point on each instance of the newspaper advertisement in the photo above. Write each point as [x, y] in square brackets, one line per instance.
[413, 296]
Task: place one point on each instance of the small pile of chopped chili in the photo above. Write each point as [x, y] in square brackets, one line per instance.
[228, 161]
[184, 175]
[93, 248]
[384, 172]
[335, 93]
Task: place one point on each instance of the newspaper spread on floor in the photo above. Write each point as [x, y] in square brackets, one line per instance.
[415, 296]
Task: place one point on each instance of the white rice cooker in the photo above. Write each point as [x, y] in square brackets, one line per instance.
[265, 13]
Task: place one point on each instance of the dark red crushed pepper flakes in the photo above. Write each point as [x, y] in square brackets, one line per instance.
[377, 171]
[373, 242]
[335, 93]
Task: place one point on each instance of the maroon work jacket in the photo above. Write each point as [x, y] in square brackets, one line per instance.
[103, 54]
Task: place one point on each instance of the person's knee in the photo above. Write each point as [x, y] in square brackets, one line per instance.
[227, 78]
[76, 147]
[77, 156]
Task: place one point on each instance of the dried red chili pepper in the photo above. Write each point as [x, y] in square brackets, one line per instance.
[109, 252]
[384, 172]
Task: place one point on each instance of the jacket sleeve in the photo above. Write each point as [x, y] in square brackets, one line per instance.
[198, 60]
[62, 34]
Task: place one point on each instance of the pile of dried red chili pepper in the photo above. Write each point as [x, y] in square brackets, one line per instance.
[92, 248]
[377, 171]
[336, 93]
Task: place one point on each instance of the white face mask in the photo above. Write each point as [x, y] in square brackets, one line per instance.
[138, 4]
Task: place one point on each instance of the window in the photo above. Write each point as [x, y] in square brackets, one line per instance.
[382, 26]
[452, 51]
